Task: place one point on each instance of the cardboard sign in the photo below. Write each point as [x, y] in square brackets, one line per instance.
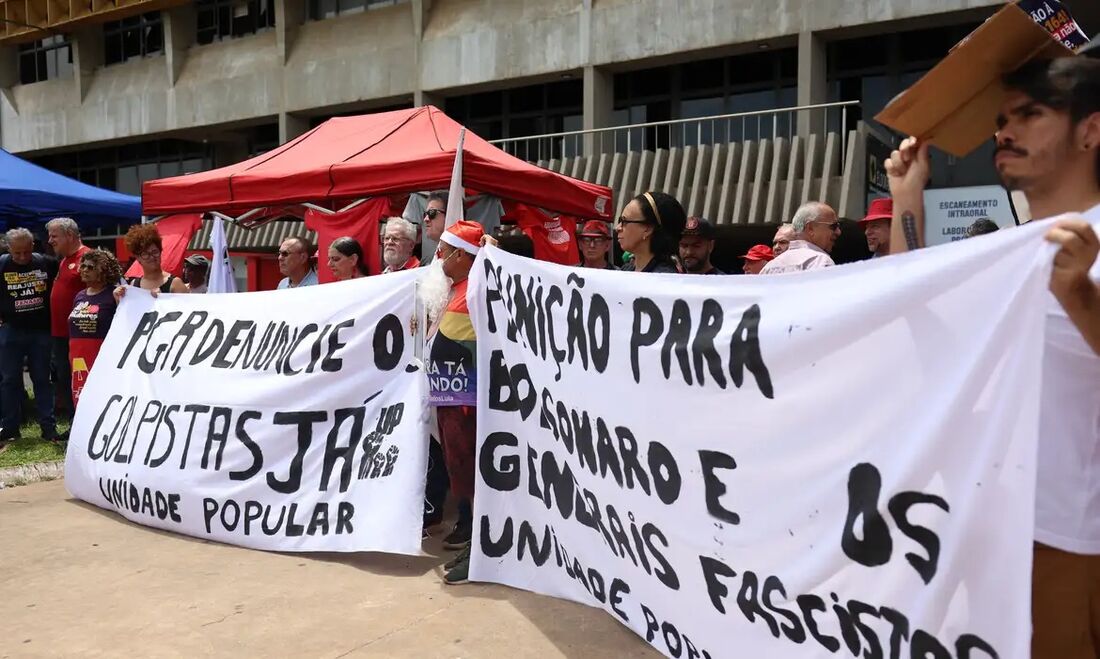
[948, 212]
[955, 105]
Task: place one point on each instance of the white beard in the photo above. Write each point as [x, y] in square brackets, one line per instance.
[435, 290]
[392, 257]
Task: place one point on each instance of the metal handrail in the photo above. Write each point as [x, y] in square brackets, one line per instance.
[670, 122]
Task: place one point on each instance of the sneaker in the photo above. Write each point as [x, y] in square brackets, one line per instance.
[460, 573]
[463, 555]
[459, 537]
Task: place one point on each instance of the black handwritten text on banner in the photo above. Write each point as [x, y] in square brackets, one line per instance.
[768, 466]
[289, 420]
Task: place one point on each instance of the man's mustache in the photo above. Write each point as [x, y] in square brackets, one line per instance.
[1011, 148]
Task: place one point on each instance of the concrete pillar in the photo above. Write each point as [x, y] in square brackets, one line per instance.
[87, 57]
[9, 67]
[599, 103]
[291, 126]
[422, 98]
[421, 9]
[289, 16]
[179, 36]
[9, 77]
[812, 81]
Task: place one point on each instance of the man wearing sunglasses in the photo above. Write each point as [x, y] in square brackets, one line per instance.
[816, 229]
[295, 262]
[435, 214]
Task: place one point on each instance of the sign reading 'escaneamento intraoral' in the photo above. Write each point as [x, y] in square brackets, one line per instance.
[837, 463]
[288, 420]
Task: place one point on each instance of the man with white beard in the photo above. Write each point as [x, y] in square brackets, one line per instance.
[451, 366]
[398, 240]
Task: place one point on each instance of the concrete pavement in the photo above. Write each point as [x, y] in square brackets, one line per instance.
[81, 582]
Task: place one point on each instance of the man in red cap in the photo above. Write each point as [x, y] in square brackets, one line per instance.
[876, 226]
[452, 376]
[756, 258]
[696, 246]
[595, 239]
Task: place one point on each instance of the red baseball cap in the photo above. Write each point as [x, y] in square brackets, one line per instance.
[880, 209]
[595, 229]
[759, 253]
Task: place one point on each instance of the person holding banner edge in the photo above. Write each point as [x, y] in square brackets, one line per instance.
[1048, 146]
[452, 362]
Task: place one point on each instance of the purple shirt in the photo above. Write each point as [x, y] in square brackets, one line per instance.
[92, 314]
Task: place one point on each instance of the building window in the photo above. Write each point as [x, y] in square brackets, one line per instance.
[133, 37]
[706, 88]
[224, 19]
[125, 168]
[873, 70]
[46, 59]
[525, 111]
[322, 9]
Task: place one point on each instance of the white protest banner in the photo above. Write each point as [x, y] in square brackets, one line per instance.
[780, 466]
[948, 212]
[286, 420]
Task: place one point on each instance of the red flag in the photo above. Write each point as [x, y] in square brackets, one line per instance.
[361, 223]
[554, 237]
[175, 232]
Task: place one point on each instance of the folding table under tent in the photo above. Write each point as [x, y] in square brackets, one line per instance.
[31, 195]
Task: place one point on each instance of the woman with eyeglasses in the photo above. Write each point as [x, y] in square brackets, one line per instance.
[345, 259]
[143, 241]
[650, 229]
[93, 310]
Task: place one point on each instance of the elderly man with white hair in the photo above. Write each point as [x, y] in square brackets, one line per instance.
[816, 229]
[25, 277]
[398, 241]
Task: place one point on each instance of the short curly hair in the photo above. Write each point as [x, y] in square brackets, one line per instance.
[105, 263]
[142, 236]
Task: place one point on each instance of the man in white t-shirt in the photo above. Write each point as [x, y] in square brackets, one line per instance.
[1048, 146]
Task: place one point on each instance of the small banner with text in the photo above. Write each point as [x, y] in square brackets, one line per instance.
[286, 420]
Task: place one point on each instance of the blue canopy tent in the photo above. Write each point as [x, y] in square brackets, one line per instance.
[31, 196]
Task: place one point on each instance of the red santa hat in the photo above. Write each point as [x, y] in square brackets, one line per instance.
[464, 235]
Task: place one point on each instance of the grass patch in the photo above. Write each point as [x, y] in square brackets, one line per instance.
[32, 449]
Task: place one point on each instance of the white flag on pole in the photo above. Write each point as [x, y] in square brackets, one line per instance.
[457, 194]
[221, 270]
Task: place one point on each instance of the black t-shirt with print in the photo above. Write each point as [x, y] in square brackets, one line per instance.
[25, 294]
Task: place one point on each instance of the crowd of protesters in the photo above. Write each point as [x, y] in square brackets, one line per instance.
[59, 308]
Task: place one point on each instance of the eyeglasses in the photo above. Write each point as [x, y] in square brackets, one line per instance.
[432, 212]
[87, 266]
[832, 226]
[589, 240]
[150, 254]
[392, 239]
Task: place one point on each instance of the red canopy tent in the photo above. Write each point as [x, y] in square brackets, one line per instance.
[350, 158]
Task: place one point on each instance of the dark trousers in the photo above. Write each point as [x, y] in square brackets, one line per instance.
[19, 346]
[62, 370]
[435, 488]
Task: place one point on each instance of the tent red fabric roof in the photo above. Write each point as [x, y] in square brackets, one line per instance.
[385, 153]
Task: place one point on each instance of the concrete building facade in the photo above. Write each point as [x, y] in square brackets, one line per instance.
[158, 88]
